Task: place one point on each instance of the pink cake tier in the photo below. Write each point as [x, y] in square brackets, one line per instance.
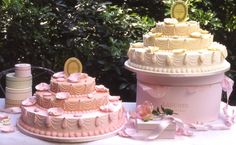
[55, 122]
[71, 116]
[84, 102]
[61, 83]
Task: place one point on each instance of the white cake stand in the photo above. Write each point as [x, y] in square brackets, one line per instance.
[195, 97]
[153, 73]
[68, 139]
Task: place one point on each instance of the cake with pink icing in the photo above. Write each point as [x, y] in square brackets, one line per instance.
[71, 109]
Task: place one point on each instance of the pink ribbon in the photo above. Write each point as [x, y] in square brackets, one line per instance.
[227, 86]
[154, 90]
[130, 130]
[229, 118]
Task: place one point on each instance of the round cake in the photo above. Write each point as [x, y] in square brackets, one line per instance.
[179, 66]
[18, 85]
[71, 109]
[178, 47]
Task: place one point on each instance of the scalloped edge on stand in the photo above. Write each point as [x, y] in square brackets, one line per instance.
[69, 139]
[201, 74]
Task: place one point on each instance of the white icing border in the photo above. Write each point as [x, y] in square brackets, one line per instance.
[178, 72]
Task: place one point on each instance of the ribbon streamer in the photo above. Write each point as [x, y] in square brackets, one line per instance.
[229, 118]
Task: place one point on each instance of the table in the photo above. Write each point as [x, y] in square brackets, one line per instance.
[219, 137]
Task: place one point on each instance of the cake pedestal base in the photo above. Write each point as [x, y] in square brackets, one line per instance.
[68, 139]
[194, 97]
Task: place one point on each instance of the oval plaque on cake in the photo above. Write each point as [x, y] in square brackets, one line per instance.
[72, 65]
[179, 11]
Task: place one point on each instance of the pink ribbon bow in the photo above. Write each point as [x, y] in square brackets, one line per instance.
[227, 86]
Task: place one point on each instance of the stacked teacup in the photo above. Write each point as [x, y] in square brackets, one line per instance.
[18, 85]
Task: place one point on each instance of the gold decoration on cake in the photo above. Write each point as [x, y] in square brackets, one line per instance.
[179, 10]
[213, 49]
[204, 31]
[152, 49]
[72, 65]
[178, 51]
[195, 35]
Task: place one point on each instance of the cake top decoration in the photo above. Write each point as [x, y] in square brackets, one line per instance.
[58, 75]
[74, 77]
[72, 65]
[42, 87]
[179, 10]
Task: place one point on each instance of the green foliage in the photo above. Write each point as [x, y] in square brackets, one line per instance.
[163, 111]
[46, 33]
[150, 8]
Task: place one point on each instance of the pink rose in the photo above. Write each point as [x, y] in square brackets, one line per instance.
[29, 101]
[42, 87]
[74, 78]
[62, 95]
[107, 108]
[55, 111]
[144, 111]
[227, 85]
[58, 75]
[101, 88]
[113, 98]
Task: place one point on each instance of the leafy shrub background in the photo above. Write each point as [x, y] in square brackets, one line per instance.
[47, 32]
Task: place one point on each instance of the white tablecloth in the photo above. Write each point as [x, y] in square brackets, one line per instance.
[221, 137]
